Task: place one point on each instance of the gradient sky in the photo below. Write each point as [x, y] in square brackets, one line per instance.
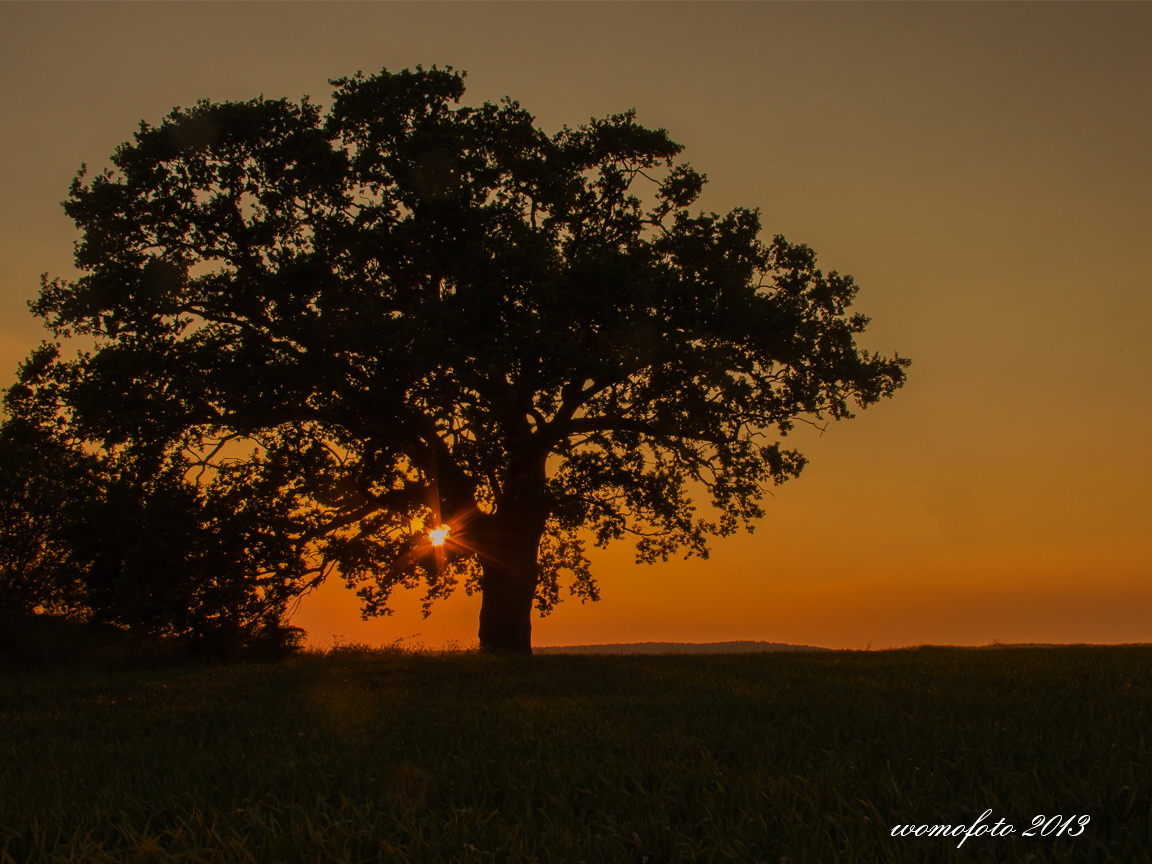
[983, 170]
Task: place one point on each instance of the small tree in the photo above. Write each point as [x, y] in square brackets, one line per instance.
[403, 315]
[41, 486]
[118, 539]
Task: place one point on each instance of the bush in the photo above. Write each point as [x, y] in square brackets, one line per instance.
[29, 640]
[52, 640]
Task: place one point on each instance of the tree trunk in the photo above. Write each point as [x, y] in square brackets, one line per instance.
[508, 543]
[508, 586]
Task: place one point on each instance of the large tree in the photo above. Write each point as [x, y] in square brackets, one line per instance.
[401, 315]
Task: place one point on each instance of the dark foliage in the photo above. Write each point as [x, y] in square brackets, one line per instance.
[324, 333]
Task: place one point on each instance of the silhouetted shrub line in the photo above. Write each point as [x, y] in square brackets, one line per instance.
[40, 641]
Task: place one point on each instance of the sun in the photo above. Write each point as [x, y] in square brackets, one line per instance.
[438, 536]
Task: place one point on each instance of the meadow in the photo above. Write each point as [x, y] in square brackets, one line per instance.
[410, 757]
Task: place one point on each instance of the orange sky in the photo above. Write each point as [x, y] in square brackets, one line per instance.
[981, 169]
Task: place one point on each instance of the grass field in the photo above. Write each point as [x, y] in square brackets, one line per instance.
[797, 757]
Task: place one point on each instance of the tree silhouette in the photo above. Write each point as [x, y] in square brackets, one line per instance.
[130, 544]
[42, 485]
[402, 314]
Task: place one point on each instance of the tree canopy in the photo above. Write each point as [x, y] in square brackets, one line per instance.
[343, 328]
